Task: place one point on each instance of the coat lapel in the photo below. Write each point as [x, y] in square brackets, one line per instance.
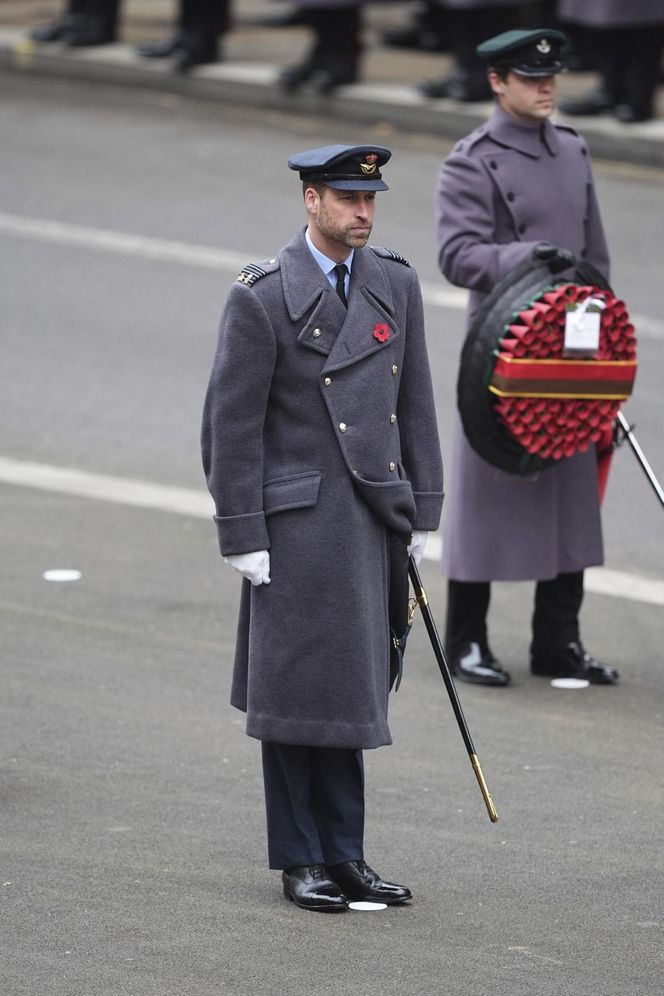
[311, 301]
[369, 323]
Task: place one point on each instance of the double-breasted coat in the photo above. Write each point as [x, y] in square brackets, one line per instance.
[319, 435]
[503, 189]
[611, 13]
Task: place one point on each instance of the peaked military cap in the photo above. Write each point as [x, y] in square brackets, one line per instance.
[344, 167]
[529, 53]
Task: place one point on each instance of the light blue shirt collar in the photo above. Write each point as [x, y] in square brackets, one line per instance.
[327, 265]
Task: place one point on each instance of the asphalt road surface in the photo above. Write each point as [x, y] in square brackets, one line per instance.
[132, 854]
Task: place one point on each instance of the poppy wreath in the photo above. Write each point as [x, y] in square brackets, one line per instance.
[525, 405]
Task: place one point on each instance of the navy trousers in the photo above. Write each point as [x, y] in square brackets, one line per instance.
[314, 800]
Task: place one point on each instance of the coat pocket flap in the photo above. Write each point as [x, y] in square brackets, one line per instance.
[294, 491]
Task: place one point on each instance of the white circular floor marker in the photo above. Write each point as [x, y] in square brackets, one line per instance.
[367, 906]
[62, 574]
[569, 683]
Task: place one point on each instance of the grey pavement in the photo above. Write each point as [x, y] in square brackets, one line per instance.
[254, 53]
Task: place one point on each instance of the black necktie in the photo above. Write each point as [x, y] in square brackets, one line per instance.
[341, 270]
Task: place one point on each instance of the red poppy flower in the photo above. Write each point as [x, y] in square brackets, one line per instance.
[381, 332]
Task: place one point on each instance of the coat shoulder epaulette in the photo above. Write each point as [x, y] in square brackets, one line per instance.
[467, 143]
[253, 272]
[386, 253]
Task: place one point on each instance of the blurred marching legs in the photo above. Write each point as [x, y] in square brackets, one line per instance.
[333, 59]
[196, 38]
[83, 23]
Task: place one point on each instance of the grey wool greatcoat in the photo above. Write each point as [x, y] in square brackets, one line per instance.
[319, 435]
[503, 189]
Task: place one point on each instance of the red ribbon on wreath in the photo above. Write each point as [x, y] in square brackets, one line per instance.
[555, 407]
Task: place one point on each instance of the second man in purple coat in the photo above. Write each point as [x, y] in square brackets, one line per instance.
[514, 183]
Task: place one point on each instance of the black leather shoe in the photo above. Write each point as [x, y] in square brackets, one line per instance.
[311, 888]
[595, 102]
[56, 30]
[459, 85]
[574, 662]
[196, 53]
[479, 667]
[163, 49]
[329, 79]
[631, 115]
[359, 882]
[90, 31]
[291, 78]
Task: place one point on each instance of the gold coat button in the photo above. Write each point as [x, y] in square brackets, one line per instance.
[316, 333]
[395, 369]
[342, 426]
[327, 381]
[393, 418]
[393, 465]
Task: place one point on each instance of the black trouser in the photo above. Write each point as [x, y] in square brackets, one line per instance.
[555, 620]
[314, 800]
[205, 18]
[628, 59]
[337, 43]
[467, 28]
[106, 11]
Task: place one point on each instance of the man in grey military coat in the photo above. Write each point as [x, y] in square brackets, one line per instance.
[519, 187]
[321, 452]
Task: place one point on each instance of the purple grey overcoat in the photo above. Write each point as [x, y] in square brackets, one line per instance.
[611, 13]
[503, 189]
[319, 435]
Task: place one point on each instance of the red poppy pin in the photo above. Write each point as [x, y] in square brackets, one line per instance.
[381, 332]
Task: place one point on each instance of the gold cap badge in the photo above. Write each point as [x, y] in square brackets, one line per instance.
[368, 167]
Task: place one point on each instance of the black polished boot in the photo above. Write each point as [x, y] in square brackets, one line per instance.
[478, 666]
[163, 49]
[572, 661]
[58, 29]
[360, 883]
[293, 77]
[90, 31]
[196, 52]
[592, 103]
[333, 59]
[460, 85]
[311, 888]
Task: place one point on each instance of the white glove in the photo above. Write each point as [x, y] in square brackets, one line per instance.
[254, 566]
[417, 544]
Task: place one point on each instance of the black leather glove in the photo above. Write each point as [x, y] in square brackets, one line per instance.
[556, 258]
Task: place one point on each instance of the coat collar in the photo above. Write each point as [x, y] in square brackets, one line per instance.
[329, 328]
[530, 139]
[302, 279]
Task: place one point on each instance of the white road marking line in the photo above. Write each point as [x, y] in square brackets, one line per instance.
[123, 243]
[119, 490]
[207, 257]
[197, 504]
